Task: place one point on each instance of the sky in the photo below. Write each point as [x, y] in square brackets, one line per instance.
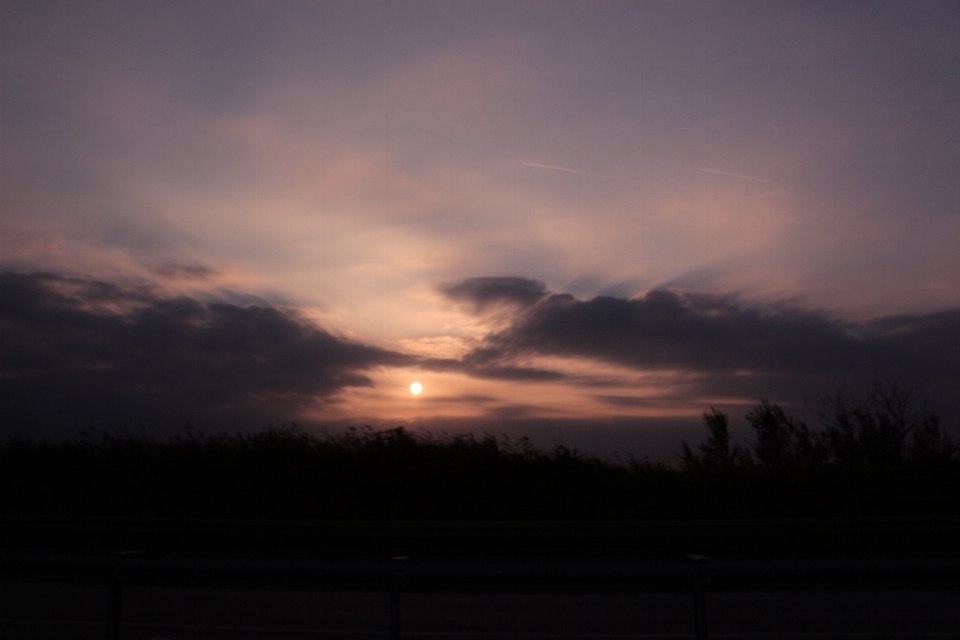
[586, 222]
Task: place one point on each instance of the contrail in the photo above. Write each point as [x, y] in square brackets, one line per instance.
[740, 175]
[555, 168]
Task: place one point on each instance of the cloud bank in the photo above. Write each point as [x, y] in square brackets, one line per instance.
[79, 353]
[735, 349]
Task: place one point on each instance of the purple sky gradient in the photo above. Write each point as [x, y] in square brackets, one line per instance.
[764, 196]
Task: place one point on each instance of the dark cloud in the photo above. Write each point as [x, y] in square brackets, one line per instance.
[933, 337]
[740, 350]
[628, 401]
[667, 330]
[483, 293]
[78, 353]
[509, 373]
[174, 271]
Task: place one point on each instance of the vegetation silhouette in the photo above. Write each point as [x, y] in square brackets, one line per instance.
[882, 453]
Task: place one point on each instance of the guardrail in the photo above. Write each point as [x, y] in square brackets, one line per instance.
[539, 558]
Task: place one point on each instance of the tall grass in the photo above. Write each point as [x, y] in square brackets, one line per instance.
[396, 475]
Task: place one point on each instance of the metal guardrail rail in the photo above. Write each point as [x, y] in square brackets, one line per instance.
[487, 557]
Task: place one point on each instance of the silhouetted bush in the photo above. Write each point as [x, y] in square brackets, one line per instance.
[287, 473]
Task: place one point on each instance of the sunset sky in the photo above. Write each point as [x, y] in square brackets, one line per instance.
[587, 222]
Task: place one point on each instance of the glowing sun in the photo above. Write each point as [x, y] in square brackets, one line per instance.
[416, 388]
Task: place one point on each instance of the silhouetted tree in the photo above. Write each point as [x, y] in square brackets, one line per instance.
[929, 442]
[783, 441]
[715, 451]
[881, 428]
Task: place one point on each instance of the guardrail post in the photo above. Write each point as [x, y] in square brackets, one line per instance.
[700, 579]
[395, 608]
[115, 606]
[700, 605]
[116, 593]
[395, 599]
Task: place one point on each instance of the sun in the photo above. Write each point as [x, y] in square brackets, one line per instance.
[416, 388]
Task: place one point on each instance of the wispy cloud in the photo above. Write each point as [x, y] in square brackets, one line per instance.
[556, 168]
[743, 177]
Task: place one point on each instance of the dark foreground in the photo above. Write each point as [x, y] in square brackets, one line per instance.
[77, 612]
[151, 578]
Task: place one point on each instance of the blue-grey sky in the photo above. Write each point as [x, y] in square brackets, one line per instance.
[764, 196]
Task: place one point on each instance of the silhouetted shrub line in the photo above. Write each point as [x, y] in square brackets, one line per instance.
[881, 431]
[882, 454]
